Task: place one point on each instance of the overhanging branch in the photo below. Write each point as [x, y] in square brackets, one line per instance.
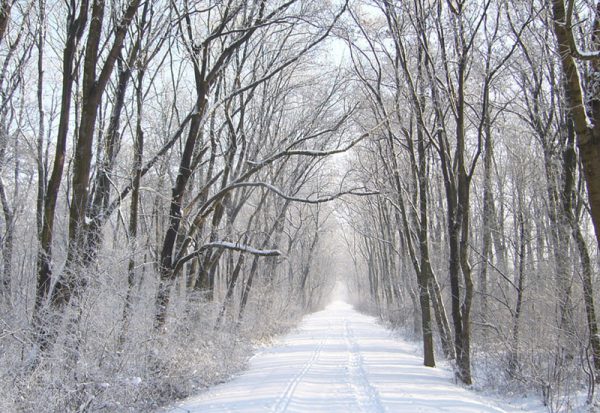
[234, 246]
[320, 200]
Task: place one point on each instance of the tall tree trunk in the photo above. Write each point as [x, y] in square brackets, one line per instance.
[488, 217]
[587, 129]
[569, 161]
[247, 288]
[138, 153]
[99, 204]
[7, 244]
[167, 266]
[588, 298]
[93, 87]
[426, 272]
[513, 354]
[75, 29]
[441, 318]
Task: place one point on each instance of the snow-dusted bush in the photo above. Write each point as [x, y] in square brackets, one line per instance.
[96, 365]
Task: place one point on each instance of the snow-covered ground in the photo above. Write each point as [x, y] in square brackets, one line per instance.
[339, 360]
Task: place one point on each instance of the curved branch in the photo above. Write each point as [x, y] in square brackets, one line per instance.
[321, 200]
[568, 25]
[228, 246]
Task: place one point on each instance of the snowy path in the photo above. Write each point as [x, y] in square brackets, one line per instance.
[338, 361]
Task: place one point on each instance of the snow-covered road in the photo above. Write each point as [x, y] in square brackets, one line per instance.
[339, 360]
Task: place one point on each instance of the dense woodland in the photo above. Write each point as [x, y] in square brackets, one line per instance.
[181, 180]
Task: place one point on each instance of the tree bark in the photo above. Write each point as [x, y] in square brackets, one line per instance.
[75, 30]
[587, 129]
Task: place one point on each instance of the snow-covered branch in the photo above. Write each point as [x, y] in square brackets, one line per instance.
[228, 246]
[257, 166]
[312, 152]
[303, 52]
[320, 200]
[575, 52]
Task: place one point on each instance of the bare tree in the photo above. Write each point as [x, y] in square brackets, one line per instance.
[584, 107]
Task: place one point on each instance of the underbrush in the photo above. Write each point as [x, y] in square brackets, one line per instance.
[101, 366]
[544, 376]
[553, 381]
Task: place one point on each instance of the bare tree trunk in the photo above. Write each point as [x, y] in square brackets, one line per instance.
[569, 169]
[138, 153]
[247, 288]
[93, 88]
[488, 217]
[587, 130]
[588, 298]
[100, 202]
[175, 214]
[513, 355]
[306, 267]
[75, 29]
[41, 162]
[441, 318]
[7, 244]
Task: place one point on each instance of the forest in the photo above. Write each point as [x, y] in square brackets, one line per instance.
[183, 180]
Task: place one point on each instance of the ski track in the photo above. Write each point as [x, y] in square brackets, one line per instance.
[339, 360]
[284, 400]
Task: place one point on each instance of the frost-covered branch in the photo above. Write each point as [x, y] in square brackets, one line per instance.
[116, 203]
[311, 152]
[228, 246]
[321, 200]
[568, 24]
[257, 166]
[303, 52]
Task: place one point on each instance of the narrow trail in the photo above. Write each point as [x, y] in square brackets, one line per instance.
[339, 360]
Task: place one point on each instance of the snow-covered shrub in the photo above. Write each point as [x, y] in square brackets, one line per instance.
[97, 364]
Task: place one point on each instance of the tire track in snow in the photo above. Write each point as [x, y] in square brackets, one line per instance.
[366, 395]
[283, 401]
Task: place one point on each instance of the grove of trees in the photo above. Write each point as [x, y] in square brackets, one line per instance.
[174, 177]
[484, 239]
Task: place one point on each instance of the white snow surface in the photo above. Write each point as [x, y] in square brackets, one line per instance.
[339, 360]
